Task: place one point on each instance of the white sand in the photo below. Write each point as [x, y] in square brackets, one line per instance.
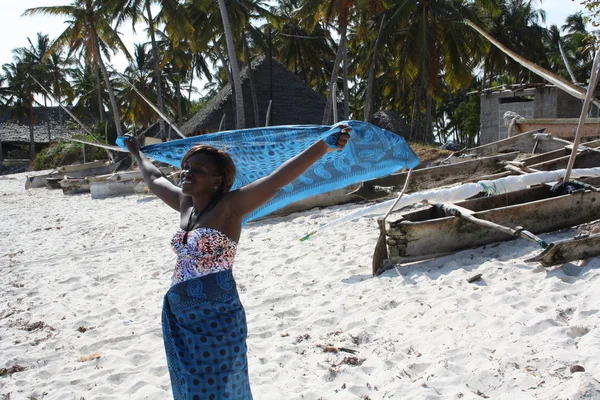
[420, 332]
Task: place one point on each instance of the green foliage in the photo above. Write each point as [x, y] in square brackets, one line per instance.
[593, 6]
[64, 153]
[467, 116]
[197, 105]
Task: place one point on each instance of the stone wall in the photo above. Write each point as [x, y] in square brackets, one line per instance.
[543, 102]
[493, 107]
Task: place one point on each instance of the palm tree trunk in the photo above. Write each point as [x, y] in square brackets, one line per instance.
[31, 136]
[334, 75]
[191, 80]
[428, 131]
[47, 120]
[227, 70]
[416, 117]
[99, 87]
[111, 93]
[304, 73]
[399, 100]
[252, 87]
[346, 91]
[371, 77]
[157, 82]
[178, 94]
[240, 122]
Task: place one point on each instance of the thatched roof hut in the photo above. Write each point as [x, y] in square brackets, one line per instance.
[16, 130]
[294, 102]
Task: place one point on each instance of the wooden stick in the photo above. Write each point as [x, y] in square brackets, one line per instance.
[584, 112]
[458, 211]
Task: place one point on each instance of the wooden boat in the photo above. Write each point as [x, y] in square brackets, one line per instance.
[51, 180]
[120, 183]
[428, 178]
[429, 232]
[555, 156]
[74, 185]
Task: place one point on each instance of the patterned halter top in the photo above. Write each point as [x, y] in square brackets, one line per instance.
[201, 252]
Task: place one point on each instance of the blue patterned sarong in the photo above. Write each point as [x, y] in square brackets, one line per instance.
[371, 153]
[204, 331]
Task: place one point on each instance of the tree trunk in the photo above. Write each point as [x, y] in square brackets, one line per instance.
[111, 94]
[428, 131]
[416, 117]
[99, 87]
[371, 77]
[47, 120]
[227, 70]
[178, 94]
[235, 70]
[399, 100]
[191, 83]
[60, 119]
[346, 91]
[57, 96]
[31, 135]
[157, 83]
[334, 75]
[304, 73]
[252, 87]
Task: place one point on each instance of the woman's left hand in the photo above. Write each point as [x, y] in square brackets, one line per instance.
[343, 138]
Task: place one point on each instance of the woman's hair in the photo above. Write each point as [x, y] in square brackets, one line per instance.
[224, 165]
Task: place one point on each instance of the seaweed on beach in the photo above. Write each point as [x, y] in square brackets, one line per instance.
[11, 370]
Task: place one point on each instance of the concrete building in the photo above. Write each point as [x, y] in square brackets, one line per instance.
[533, 102]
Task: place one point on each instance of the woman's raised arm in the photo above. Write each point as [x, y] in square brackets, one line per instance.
[156, 181]
[257, 193]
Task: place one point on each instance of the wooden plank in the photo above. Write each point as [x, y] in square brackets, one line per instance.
[564, 251]
[67, 169]
[562, 128]
[523, 143]
[586, 159]
[428, 178]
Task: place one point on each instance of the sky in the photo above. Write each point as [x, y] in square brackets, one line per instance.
[15, 29]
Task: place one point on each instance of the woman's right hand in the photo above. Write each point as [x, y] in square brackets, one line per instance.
[133, 145]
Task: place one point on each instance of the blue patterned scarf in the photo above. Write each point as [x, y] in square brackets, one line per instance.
[371, 153]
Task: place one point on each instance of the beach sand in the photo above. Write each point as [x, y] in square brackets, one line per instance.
[82, 281]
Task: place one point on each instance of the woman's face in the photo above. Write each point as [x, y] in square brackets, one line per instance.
[199, 175]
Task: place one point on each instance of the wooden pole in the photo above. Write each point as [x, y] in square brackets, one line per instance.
[458, 211]
[591, 90]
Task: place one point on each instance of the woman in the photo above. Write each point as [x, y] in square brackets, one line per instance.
[204, 324]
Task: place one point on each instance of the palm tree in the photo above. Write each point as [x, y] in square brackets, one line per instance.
[89, 32]
[139, 73]
[436, 42]
[22, 90]
[137, 10]
[46, 68]
[303, 45]
[240, 119]
[332, 9]
[579, 46]
[517, 26]
[83, 81]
